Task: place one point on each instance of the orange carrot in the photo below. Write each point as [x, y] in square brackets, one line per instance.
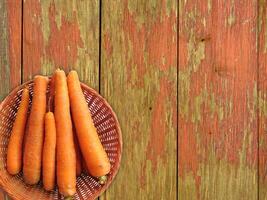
[32, 158]
[78, 154]
[14, 150]
[96, 158]
[49, 152]
[66, 158]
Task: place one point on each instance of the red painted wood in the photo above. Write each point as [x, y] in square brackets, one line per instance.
[63, 35]
[10, 50]
[33, 39]
[14, 15]
[262, 99]
[217, 100]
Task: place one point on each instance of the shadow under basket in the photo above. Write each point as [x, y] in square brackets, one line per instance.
[88, 187]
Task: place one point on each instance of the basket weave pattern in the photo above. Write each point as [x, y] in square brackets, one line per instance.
[87, 186]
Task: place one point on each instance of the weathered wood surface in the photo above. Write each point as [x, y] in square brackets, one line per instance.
[139, 80]
[138, 75]
[262, 100]
[218, 129]
[10, 45]
[61, 34]
[10, 49]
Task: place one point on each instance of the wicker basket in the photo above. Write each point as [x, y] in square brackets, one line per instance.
[87, 187]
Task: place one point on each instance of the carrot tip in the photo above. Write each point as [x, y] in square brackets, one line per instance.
[59, 69]
[102, 180]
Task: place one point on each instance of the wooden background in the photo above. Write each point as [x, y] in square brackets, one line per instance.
[222, 93]
[126, 50]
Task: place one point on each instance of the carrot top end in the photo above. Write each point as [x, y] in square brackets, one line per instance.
[102, 180]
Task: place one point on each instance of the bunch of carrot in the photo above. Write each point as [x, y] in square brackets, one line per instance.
[55, 144]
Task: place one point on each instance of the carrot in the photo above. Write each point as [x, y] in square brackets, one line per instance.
[49, 152]
[14, 150]
[66, 158]
[96, 158]
[32, 157]
[78, 154]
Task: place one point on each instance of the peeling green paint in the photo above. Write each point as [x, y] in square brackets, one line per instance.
[231, 17]
[196, 113]
[221, 180]
[220, 112]
[209, 6]
[45, 20]
[48, 67]
[216, 107]
[58, 19]
[255, 101]
[204, 22]
[212, 104]
[184, 88]
[262, 16]
[261, 6]
[262, 103]
[195, 54]
[196, 49]
[187, 187]
[198, 54]
[4, 57]
[265, 35]
[151, 9]
[66, 9]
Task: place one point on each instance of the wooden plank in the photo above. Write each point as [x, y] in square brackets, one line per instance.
[262, 86]
[61, 34]
[10, 50]
[139, 80]
[217, 100]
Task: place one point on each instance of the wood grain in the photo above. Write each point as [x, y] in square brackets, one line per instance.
[61, 34]
[10, 50]
[139, 80]
[262, 87]
[217, 100]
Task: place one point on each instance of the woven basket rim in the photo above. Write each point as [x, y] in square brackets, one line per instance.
[118, 128]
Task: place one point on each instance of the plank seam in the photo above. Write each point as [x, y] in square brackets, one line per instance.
[177, 106]
[99, 55]
[258, 129]
[21, 45]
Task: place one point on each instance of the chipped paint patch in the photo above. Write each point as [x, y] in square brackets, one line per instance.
[62, 47]
[215, 174]
[107, 44]
[33, 40]
[156, 147]
[14, 40]
[187, 189]
[231, 17]
[209, 5]
[162, 34]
